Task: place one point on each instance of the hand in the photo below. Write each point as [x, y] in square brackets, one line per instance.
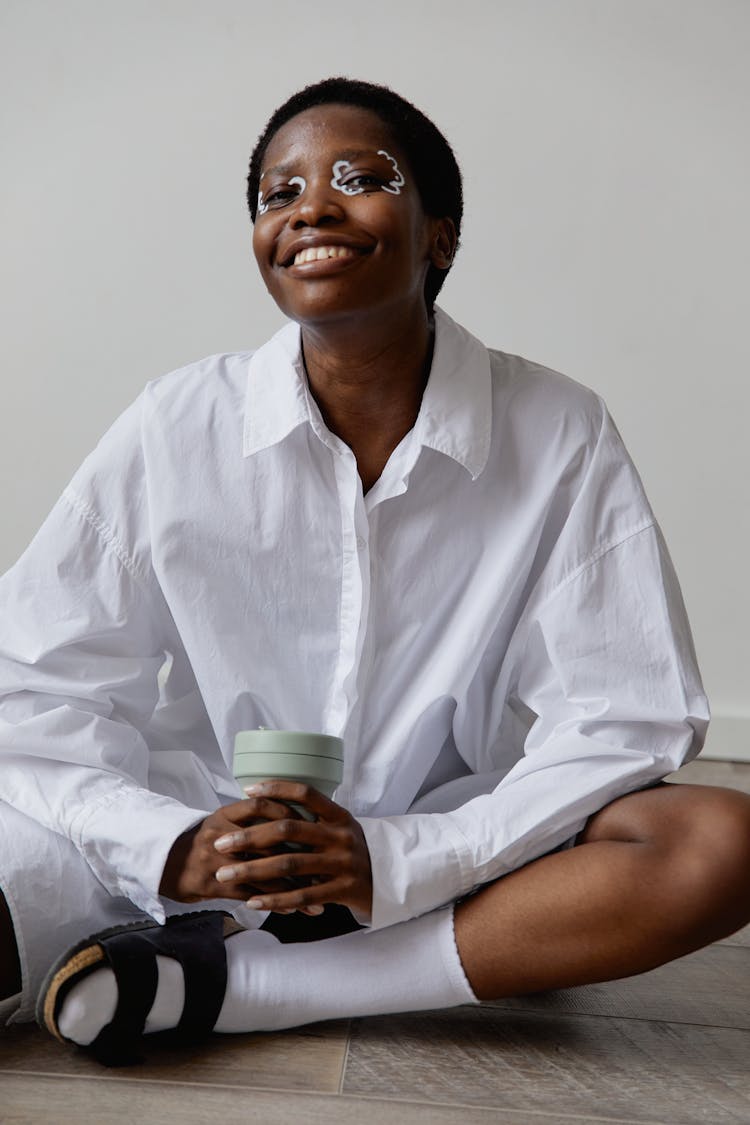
[336, 860]
[190, 870]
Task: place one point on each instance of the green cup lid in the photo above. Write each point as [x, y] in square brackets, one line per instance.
[288, 742]
[289, 765]
[266, 765]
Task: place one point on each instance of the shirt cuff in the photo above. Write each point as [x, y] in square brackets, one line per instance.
[126, 841]
[420, 861]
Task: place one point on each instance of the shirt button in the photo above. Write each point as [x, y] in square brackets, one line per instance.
[360, 543]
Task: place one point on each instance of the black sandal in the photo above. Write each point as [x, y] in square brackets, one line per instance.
[196, 940]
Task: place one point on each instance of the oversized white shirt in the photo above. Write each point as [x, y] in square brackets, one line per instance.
[495, 630]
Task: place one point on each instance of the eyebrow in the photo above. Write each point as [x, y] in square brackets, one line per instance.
[344, 154]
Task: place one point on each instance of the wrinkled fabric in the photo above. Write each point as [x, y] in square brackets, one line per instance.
[56, 901]
[495, 629]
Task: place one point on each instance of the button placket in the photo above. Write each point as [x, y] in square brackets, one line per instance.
[360, 797]
[354, 593]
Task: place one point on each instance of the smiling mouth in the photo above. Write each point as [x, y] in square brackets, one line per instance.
[323, 253]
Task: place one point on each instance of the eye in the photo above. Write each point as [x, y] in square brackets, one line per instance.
[350, 180]
[280, 195]
[362, 181]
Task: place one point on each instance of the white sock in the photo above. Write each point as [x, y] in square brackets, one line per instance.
[410, 967]
[90, 1005]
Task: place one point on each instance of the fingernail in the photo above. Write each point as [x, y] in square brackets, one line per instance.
[254, 904]
[315, 909]
[226, 874]
[224, 843]
[257, 788]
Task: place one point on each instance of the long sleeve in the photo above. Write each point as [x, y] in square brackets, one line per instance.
[82, 639]
[607, 679]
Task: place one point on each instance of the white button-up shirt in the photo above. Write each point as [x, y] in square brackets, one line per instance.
[495, 629]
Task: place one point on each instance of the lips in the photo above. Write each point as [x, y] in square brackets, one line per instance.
[303, 251]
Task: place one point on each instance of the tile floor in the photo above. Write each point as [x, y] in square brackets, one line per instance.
[670, 1047]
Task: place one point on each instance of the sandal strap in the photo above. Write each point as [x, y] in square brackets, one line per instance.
[197, 942]
[200, 949]
[134, 963]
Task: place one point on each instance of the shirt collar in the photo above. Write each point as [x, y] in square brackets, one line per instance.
[455, 417]
[277, 400]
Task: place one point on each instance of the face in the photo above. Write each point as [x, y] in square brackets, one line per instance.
[340, 228]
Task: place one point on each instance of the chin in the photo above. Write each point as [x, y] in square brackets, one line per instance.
[321, 309]
[320, 305]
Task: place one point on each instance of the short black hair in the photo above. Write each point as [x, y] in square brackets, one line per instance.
[431, 158]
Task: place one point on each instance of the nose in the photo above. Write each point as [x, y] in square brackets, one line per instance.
[317, 205]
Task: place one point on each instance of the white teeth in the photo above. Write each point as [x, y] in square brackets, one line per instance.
[319, 253]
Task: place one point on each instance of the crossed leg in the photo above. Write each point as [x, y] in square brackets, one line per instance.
[657, 874]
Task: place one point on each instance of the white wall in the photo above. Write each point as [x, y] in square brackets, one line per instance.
[604, 144]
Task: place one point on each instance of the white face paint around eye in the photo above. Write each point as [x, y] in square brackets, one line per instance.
[398, 181]
[339, 170]
[341, 167]
[299, 181]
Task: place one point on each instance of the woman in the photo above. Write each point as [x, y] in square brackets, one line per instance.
[374, 527]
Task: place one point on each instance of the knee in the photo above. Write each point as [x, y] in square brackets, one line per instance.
[720, 823]
[711, 850]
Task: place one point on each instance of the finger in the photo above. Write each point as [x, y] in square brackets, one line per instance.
[260, 807]
[285, 865]
[301, 794]
[271, 836]
[240, 893]
[243, 888]
[332, 891]
[311, 911]
[256, 809]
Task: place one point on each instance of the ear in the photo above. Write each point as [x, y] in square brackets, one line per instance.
[443, 243]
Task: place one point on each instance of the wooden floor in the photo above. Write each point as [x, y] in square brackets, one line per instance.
[669, 1047]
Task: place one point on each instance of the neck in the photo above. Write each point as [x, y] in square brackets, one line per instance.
[369, 384]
